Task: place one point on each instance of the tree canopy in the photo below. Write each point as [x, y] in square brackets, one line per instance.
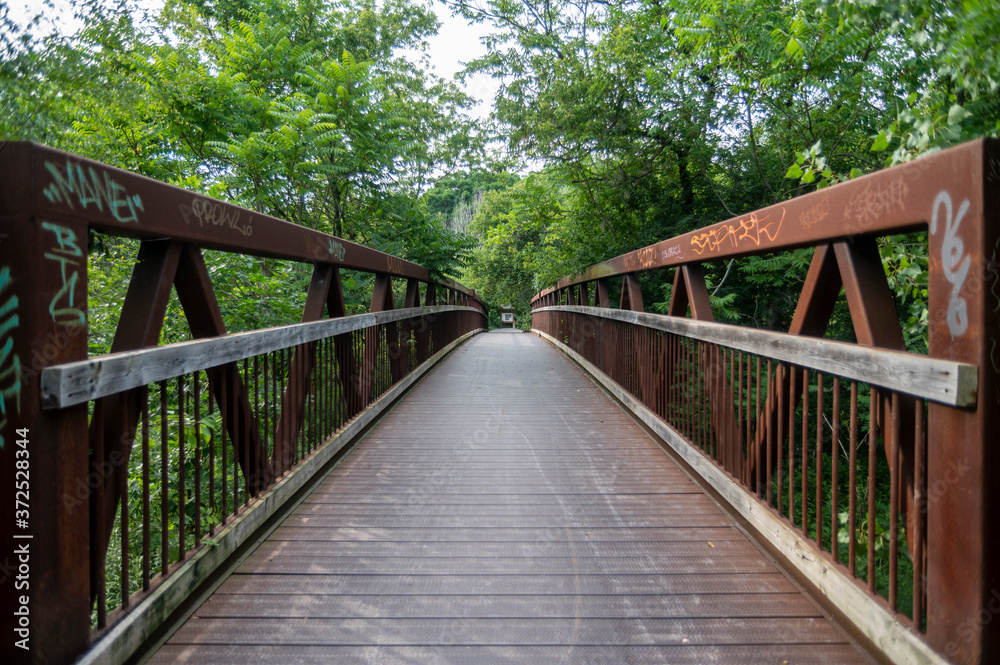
[654, 117]
[641, 119]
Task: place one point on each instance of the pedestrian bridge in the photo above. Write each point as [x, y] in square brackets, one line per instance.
[402, 486]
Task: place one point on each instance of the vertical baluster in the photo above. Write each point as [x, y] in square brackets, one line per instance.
[894, 499]
[271, 404]
[819, 460]
[738, 442]
[264, 415]
[793, 373]
[300, 398]
[259, 418]
[327, 384]
[712, 393]
[307, 427]
[676, 385]
[723, 417]
[919, 506]
[100, 558]
[243, 437]
[764, 442]
[123, 525]
[164, 491]
[703, 410]
[683, 357]
[872, 460]
[146, 518]
[835, 471]
[736, 390]
[728, 406]
[197, 460]
[223, 410]
[234, 438]
[781, 371]
[211, 456]
[853, 484]
[804, 497]
[181, 480]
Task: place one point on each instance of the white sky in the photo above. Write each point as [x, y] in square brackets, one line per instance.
[456, 43]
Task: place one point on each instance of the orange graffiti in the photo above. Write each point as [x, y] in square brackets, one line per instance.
[753, 228]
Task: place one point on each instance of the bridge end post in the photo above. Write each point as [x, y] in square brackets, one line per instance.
[44, 483]
[962, 502]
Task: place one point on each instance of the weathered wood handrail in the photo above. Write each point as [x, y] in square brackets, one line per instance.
[243, 408]
[88, 380]
[944, 381]
[694, 378]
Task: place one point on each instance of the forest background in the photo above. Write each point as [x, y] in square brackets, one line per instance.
[615, 125]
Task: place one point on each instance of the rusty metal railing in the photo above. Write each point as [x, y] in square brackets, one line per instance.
[125, 471]
[875, 467]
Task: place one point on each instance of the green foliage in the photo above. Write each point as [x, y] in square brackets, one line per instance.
[511, 227]
[455, 197]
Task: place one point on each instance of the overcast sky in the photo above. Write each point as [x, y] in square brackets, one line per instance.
[456, 43]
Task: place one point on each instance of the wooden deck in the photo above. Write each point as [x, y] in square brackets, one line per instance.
[508, 511]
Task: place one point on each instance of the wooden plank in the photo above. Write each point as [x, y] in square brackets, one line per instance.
[86, 380]
[271, 564]
[944, 381]
[500, 632]
[290, 531]
[565, 606]
[731, 544]
[510, 585]
[506, 655]
[434, 523]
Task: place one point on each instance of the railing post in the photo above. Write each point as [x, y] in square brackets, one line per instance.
[423, 332]
[963, 495]
[601, 297]
[631, 295]
[44, 481]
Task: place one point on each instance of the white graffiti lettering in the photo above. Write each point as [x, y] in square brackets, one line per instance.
[671, 252]
[337, 250]
[206, 211]
[956, 265]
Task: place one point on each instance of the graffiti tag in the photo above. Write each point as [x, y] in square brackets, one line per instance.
[671, 252]
[956, 264]
[63, 306]
[337, 250]
[753, 229]
[75, 186]
[213, 213]
[874, 201]
[10, 362]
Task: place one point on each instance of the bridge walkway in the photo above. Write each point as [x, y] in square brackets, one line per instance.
[542, 525]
